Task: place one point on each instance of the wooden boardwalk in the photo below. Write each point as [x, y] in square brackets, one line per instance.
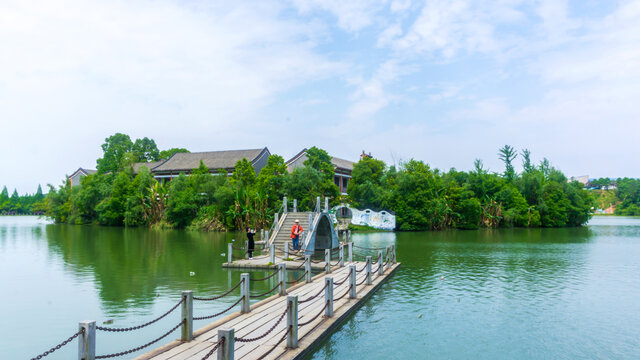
[264, 315]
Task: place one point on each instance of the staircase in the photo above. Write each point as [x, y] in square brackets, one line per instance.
[284, 235]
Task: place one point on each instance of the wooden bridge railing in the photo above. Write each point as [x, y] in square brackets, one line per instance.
[87, 330]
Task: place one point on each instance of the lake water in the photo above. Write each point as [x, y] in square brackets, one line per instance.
[487, 294]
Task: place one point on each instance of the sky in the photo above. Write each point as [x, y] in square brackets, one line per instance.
[443, 81]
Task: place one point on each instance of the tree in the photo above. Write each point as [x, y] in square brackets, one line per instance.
[365, 187]
[321, 161]
[526, 161]
[145, 150]
[114, 150]
[165, 154]
[507, 154]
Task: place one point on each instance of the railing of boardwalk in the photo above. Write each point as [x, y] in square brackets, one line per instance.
[87, 330]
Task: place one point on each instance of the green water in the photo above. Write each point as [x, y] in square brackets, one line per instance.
[502, 294]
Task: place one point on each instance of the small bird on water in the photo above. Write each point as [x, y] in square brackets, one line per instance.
[191, 273]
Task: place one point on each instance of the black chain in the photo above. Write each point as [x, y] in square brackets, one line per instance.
[142, 325]
[246, 340]
[142, 346]
[366, 248]
[314, 296]
[298, 279]
[278, 343]
[220, 296]
[315, 317]
[266, 278]
[301, 265]
[364, 278]
[220, 313]
[266, 293]
[338, 283]
[57, 347]
[343, 295]
[361, 270]
[214, 349]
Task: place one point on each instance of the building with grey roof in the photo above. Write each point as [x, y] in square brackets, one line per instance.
[78, 175]
[216, 161]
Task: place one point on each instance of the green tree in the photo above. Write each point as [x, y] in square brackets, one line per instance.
[145, 150]
[366, 187]
[507, 154]
[320, 160]
[111, 209]
[114, 150]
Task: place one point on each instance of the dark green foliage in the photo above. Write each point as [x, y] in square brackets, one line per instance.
[629, 194]
[145, 150]
[422, 198]
[165, 154]
[115, 148]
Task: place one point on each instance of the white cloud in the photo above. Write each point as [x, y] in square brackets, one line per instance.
[353, 15]
[200, 74]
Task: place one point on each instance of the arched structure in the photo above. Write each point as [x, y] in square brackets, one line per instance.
[323, 234]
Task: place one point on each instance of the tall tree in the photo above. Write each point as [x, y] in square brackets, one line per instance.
[507, 154]
[526, 161]
[114, 150]
[145, 150]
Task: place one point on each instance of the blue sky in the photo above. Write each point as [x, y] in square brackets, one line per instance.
[441, 81]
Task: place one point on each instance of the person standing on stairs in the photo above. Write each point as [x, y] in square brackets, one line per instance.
[252, 244]
[296, 230]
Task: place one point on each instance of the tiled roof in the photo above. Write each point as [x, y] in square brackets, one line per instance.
[150, 165]
[211, 159]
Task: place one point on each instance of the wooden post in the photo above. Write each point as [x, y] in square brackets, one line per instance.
[284, 205]
[230, 252]
[352, 281]
[286, 251]
[307, 267]
[282, 277]
[246, 249]
[261, 234]
[350, 251]
[87, 340]
[368, 271]
[328, 296]
[380, 266]
[326, 204]
[349, 234]
[187, 315]
[276, 222]
[272, 253]
[292, 321]
[295, 205]
[225, 351]
[341, 254]
[327, 261]
[393, 253]
[244, 293]
[266, 237]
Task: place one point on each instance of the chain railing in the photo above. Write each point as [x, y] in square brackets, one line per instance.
[268, 277]
[218, 344]
[219, 313]
[315, 316]
[246, 340]
[314, 296]
[343, 295]
[266, 293]
[142, 346]
[298, 279]
[220, 296]
[102, 328]
[57, 347]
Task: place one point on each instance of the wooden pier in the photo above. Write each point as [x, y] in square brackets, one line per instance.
[288, 325]
[284, 327]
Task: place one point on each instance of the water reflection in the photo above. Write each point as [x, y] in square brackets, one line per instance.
[131, 267]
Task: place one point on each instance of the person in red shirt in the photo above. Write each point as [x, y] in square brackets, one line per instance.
[296, 231]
